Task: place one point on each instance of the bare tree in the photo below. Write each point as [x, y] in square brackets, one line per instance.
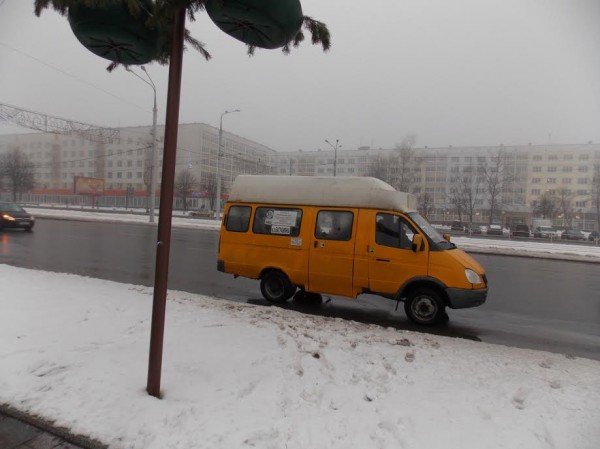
[398, 168]
[19, 172]
[546, 206]
[184, 185]
[468, 193]
[494, 176]
[404, 165]
[457, 200]
[565, 204]
[208, 185]
[426, 203]
[379, 167]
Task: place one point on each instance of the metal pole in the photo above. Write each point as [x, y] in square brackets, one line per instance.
[218, 175]
[154, 172]
[154, 167]
[335, 158]
[166, 207]
[335, 148]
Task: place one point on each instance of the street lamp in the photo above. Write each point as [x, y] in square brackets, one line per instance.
[218, 176]
[335, 148]
[153, 168]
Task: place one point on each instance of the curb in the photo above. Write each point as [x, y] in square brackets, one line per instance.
[49, 427]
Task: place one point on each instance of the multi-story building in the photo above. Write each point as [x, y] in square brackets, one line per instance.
[451, 182]
[125, 161]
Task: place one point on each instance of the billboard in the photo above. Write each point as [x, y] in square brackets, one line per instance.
[88, 186]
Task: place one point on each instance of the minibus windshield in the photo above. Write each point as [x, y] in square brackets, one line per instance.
[431, 232]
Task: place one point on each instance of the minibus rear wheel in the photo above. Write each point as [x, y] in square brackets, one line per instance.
[425, 306]
[276, 287]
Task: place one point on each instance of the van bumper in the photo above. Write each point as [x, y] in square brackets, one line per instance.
[460, 298]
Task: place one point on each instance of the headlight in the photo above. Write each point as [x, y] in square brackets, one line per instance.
[472, 277]
[7, 217]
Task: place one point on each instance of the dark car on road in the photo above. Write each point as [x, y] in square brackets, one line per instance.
[572, 234]
[594, 235]
[495, 229]
[14, 216]
[457, 226]
[521, 230]
[473, 229]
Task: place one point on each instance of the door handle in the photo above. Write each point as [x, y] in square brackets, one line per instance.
[383, 260]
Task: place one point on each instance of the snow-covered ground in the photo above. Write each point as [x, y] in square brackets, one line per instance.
[75, 350]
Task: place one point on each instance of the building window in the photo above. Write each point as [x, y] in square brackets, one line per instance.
[536, 180]
[582, 181]
[551, 169]
[551, 180]
[535, 191]
[119, 175]
[537, 169]
[566, 180]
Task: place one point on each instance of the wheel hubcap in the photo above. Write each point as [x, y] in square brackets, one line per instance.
[275, 288]
[424, 308]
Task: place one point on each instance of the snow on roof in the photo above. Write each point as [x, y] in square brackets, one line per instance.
[343, 191]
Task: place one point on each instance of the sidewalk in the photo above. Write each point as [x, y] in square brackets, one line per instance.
[19, 431]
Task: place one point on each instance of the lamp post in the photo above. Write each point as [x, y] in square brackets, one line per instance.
[153, 168]
[218, 175]
[335, 148]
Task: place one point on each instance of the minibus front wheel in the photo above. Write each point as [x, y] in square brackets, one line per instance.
[276, 287]
[425, 306]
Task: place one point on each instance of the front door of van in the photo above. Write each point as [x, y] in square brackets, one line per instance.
[331, 262]
[391, 258]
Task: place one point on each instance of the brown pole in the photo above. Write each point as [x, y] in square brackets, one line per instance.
[163, 243]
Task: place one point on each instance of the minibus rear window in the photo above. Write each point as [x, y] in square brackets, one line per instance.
[238, 218]
[277, 221]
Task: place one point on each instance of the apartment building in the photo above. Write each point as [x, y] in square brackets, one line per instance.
[125, 161]
[524, 172]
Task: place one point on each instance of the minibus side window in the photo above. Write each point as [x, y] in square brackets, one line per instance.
[334, 225]
[391, 230]
[277, 221]
[238, 218]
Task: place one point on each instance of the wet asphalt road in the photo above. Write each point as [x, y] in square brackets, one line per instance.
[540, 304]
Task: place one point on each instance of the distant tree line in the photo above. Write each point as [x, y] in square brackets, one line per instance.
[16, 173]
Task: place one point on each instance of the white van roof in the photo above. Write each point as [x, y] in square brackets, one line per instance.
[342, 191]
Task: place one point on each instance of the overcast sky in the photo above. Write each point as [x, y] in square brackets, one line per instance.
[460, 72]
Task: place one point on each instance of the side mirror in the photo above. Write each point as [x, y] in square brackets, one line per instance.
[446, 237]
[417, 242]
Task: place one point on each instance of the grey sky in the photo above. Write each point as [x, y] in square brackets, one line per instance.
[460, 72]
